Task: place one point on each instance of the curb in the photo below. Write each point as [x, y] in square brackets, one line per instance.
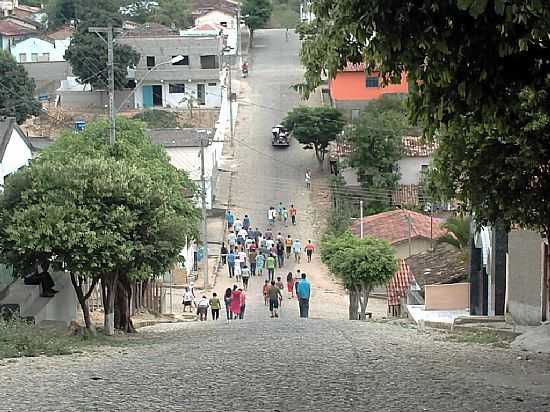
[144, 323]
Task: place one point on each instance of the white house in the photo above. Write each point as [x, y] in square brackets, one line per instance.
[306, 15]
[417, 157]
[36, 49]
[223, 18]
[15, 149]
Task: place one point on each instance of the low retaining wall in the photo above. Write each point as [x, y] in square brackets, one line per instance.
[454, 296]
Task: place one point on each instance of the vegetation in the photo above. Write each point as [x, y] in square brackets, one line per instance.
[173, 12]
[315, 127]
[459, 233]
[286, 14]
[156, 119]
[62, 12]
[16, 90]
[479, 82]
[256, 14]
[115, 213]
[376, 138]
[361, 264]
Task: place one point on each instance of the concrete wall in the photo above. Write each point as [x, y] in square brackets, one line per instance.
[94, 100]
[525, 276]
[17, 155]
[417, 246]
[212, 93]
[410, 169]
[447, 297]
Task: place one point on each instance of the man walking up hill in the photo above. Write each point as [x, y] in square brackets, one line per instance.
[303, 291]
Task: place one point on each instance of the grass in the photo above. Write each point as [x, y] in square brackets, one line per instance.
[23, 339]
[155, 119]
[480, 338]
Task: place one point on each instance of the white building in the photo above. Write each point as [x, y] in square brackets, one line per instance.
[36, 49]
[224, 19]
[15, 149]
[417, 158]
[306, 15]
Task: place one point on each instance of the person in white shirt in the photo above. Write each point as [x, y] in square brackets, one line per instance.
[238, 225]
[202, 308]
[242, 257]
[241, 236]
[238, 270]
[187, 299]
[231, 239]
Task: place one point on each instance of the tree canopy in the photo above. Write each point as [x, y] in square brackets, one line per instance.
[256, 13]
[315, 127]
[478, 72]
[376, 138]
[173, 12]
[16, 90]
[64, 11]
[360, 263]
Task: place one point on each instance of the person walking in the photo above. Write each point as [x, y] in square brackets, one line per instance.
[223, 253]
[231, 258]
[274, 299]
[227, 302]
[290, 285]
[304, 291]
[280, 253]
[215, 306]
[238, 225]
[229, 218]
[270, 265]
[288, 246]
[271, 216]
[235, 302]
[202, 308]
[308, 179]
[309, 250]
[232, 239]
[260, 260]
[265, 292]
[292, 211]
[187, 300]
[238, 270]
[285, 216]
[246, 222]
[280, 284]
[252, 259]
[280, 208]
[243, 303]
[245, 274]
[297, 249]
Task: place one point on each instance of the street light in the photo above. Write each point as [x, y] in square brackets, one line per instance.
[173, 60]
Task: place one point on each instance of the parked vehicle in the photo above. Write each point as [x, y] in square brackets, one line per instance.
[280, 136]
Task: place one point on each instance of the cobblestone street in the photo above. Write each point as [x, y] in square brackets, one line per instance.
[281, 365]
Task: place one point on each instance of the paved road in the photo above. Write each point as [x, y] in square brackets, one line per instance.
[285, 364]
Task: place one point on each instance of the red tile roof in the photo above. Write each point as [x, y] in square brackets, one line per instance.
[393, 226]
[9, 28]
[406, 195]
[399, 284]
[416, 146]
[62, 33]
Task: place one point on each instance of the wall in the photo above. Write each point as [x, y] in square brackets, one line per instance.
[56, 50]
[410, 169]
[212, 94]
[525, 276]
[447, 297]
[17, 155]
[417, 246]
[94, 100]
[216, 17]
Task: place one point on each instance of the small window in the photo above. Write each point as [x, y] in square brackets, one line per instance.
[150, 61]
[182, 62]
[212, 84]
[176, 88]
[34, 57]
[372, 81]
[209, 62]
[424, 168]
[46, 57]
[223, 23]
[22, 57]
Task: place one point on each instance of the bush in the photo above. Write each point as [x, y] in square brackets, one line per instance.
[158, 119]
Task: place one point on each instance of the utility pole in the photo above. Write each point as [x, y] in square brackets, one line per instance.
[111, 71]
[361, 217]
[232, 131]
[239, 30]
[204, 221]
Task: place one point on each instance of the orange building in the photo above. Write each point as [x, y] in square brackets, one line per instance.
[352, 88]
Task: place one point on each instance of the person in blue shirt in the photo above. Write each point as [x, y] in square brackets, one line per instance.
[303, 291]
[229, 218]
[246, 222]
[231, 257]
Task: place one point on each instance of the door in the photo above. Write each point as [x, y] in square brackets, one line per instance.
[201, 92]
[157, 95]
[147, 96]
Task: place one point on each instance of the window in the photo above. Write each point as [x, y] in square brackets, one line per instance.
[34, 57]
[209, 62]
[183, 62]
[176, 88]
[46, 57]
[355, 114]
[22, 57]
[372, 81]
[212, 84]
[150, 61]
[223, 23]
[424, 168]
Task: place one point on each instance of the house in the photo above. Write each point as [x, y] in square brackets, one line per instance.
[352, 89]
[15, 149]
[528, 277]
[408, 232]
[164, 81]
[184, 149]
[417, 156]
[40, 49]
[13, 8]
[306, 14]
[222, 12]
[12, 32]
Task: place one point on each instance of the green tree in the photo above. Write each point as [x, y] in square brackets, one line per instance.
[16, 90]
[479, 80]
[87, 54]
[62, 12]
[173, 12]
[458, 234]
[256, 14]
[361, 264]
[116, 213]
[315, 127]
[376, 138]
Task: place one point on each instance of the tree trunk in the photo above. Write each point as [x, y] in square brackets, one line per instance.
[122, 319]
[319, 154]
[353, 304]
[77, 284]
[110, 282]
[250, 38]
[364, 300]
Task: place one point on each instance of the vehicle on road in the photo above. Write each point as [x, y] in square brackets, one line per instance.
[280, 136]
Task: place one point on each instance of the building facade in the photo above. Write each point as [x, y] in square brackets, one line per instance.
[15, 149]
[36, 49]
